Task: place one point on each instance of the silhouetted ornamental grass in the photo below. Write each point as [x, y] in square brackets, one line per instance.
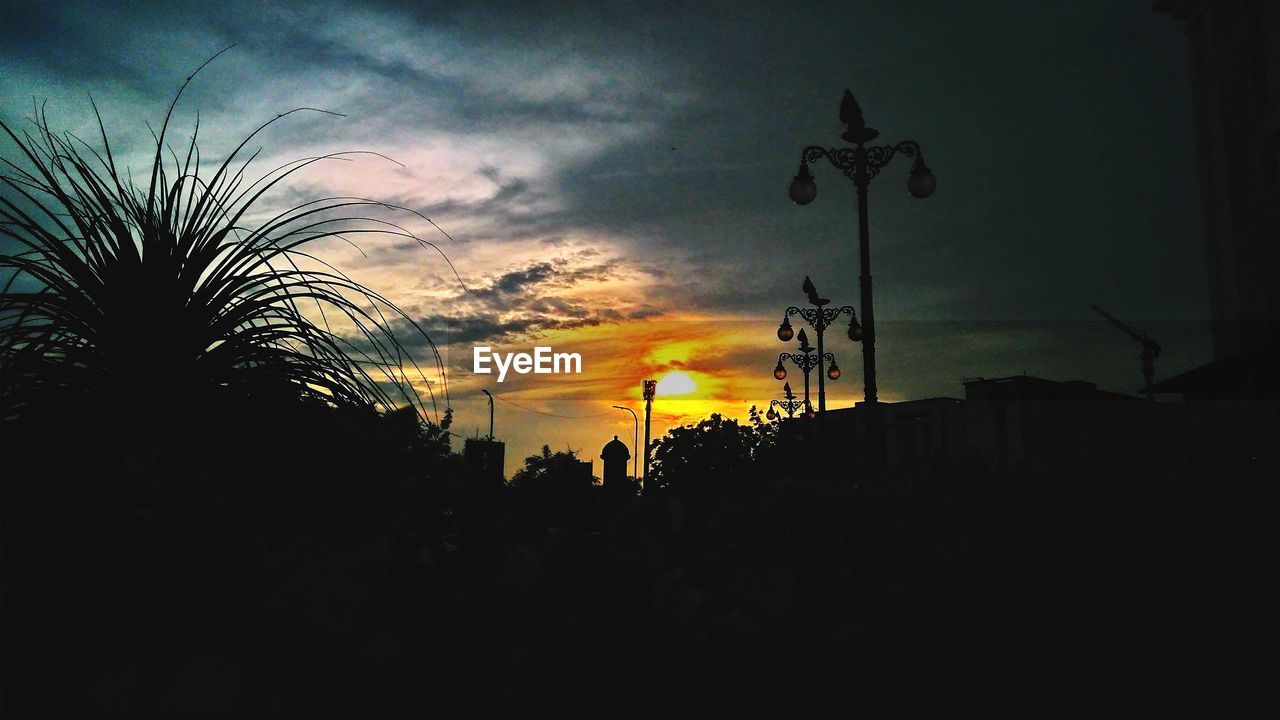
[165, 345]
[161, 294]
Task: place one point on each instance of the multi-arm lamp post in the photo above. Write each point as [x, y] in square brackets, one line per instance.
[860, 164]
[790, 405]
[806, 360]
[819, 317]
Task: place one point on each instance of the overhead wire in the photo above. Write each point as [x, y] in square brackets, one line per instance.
[551, 414]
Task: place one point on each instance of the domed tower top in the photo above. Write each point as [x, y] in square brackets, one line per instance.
[615, 448]
[615, 455]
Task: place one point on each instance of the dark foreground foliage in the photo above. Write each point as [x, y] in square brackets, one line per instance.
[115, 294]
[274, 546]
[192, 407]
[368, 577]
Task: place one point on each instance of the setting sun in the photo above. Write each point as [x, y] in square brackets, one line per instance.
[676, 383]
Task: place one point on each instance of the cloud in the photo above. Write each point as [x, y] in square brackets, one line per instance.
[528, 301]
[540, 136]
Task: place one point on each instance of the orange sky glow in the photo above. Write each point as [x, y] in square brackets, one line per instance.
[729, 359]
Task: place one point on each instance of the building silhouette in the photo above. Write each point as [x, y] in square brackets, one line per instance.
[1023, 419]
[1009, 422]
[1234, 56]
[487, 458]
[583, 472]
[914, 431]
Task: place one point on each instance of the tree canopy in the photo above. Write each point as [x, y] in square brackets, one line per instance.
[710, 458]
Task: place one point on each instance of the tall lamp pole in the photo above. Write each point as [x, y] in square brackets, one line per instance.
[860, 164]
[650, 389]
[635, 442]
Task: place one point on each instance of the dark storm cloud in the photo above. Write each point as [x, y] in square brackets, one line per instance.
[559, 306]
[523, 303]
[1035, 124]
[517, 280]
[526, 282]
[466, 331]
[84, 38]
[1060, 134]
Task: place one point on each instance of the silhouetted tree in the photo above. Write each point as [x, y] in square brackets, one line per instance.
[712, 458]
[559, 473]
[556, 485]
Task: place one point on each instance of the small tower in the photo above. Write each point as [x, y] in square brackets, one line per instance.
[615, 456]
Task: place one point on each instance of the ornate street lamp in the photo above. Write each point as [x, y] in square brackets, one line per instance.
[790, 405]
[820, 318]
[860, 164]
[806, 360]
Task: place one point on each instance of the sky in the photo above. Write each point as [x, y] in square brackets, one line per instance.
[612, 178]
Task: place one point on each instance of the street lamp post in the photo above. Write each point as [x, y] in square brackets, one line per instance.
[635, 442]
[807, 361]
[861, 164]
[486, 392]
[790, 405]
[649, 389]
[819, 317]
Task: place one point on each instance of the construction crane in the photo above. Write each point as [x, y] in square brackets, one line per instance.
[1150, 348]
